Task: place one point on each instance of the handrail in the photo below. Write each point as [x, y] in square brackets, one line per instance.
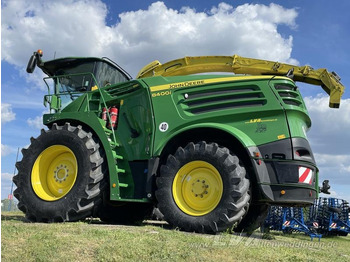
[87, 97]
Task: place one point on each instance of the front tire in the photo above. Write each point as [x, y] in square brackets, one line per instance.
[203, 188]
[60, 176]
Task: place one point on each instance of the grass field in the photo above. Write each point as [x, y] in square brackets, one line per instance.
[93, 241]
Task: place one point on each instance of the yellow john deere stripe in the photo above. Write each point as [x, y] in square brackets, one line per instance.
[207, 81]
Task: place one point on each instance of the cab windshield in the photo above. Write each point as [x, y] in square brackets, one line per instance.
[79, 78]
[73, 77]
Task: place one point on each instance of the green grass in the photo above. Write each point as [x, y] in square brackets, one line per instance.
[84, 241]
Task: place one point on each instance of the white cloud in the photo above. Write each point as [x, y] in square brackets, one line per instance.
[335, 168]
[37, 122]
[319, 105]
[7, 115]
[329, 138]
[65, 27]
[272, 13]
[6, 177]
[6, 180]
[329, 132]
[144, 35]
[6, 150]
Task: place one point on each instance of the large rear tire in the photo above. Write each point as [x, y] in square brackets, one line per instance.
[60, 176]
[203, 188]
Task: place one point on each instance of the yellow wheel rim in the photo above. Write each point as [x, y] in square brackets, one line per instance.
[197, 188]
[54, 173]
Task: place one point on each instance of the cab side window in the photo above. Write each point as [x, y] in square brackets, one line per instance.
[108, 75]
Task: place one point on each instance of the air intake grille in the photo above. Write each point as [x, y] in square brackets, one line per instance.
[289, 95]
[121, 89]
[205, 101]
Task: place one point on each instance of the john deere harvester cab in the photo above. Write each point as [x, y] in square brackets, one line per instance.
[212, 152]
[71, 77]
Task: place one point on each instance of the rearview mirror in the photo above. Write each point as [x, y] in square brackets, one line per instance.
[31, 64]
[34, 60]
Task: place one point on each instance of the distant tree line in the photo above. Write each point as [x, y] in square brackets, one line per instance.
[9, 205]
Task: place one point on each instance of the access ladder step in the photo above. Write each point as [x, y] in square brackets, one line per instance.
[113, 144]
[119, 170]
[116, 156]
[107, 131]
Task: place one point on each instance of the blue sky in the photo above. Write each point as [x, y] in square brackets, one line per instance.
[133, 33]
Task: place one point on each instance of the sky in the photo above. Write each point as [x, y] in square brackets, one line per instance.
[134, 33]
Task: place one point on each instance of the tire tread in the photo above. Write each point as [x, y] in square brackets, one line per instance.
[86, 202]
[229, 211]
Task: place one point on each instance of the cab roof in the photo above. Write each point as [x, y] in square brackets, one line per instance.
[52, 66]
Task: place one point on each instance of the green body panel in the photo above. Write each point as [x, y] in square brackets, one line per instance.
[242, 137]
[295, 108]
[133, 105]
[248, 110]
[90, 120]
[152, 111]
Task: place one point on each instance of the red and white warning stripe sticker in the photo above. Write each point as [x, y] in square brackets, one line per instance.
[315, 224]
[305, 175]
[333, 225]
[286, 223]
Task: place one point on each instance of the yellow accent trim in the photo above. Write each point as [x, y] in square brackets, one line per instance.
[330, 82]
[197, 188]
[148, 68]
[281, 136]
[259, 120]
[208, 81]
[54, 173]
[94, 88]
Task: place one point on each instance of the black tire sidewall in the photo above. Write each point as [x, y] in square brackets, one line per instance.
[57, 208]
[174, 214]
[223, 171]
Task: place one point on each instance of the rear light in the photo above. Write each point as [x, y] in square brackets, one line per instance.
[257, 155]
